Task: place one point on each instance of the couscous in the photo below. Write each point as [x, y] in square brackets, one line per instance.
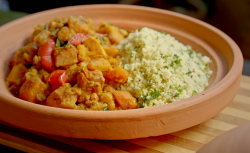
[162, 70]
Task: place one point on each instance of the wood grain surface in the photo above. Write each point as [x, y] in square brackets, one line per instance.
[186, 141]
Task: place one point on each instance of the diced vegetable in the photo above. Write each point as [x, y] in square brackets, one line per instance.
[95, 76]
[125, 100]
[77, 39]
[111, 51]
[114, 33]
[28, 57]
[80, 24]
[63, 97]
[99, 64]
[115, 62]
[118, 75]
[42, 37]
[16, 74]
[57, 78]
[94, 45]
[65, 33]
[82, 81]
[47, 49]
[90, 81]
[65, 56]
[94, 97]
[82, 53]
[107, 97]
[84, 97]
[108, 88]
[71, 74]
[31, 89]
[44, 75]
[19, 58]
[48, 63]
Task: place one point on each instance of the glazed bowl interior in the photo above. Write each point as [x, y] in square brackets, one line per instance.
[226, 65]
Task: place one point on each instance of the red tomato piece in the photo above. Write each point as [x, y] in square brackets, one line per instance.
[47, 48]
[57, 78]
[48, 63]
[77, 39]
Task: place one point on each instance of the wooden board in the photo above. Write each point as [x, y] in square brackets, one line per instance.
[185, 141]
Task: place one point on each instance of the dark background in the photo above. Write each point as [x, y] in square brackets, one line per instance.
[230, 16]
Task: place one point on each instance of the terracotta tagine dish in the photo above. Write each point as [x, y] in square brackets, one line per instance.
[227, 64]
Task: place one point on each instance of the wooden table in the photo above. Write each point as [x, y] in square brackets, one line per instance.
[185, 141]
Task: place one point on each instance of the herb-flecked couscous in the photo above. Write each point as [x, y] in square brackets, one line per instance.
[162, 70]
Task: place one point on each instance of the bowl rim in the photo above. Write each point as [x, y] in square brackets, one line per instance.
[131, 114]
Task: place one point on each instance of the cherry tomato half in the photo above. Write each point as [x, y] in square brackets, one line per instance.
[47, 48]
[48, 63]
[57, 78]
[77, 39]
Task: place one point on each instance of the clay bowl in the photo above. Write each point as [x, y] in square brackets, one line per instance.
[125, 124]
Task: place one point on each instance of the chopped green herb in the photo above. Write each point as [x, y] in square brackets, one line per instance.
[139, 30]
[190, 53]
[169, 101]
[106, 109]
[177, 62]
[154, 94]
[101, 41]
[163, 32]
[189, 72]
[194, 93]
[140, 105]
[179, 89]
[164, 56]
[177, 94]
[58, 43]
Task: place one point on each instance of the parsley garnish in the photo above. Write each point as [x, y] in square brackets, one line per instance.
[101, 41]
[179, 89]
[190, 53]
[189, 72]
[153, 95]
[176, 62]
[140, 105]
[194, 93]
[61, 44]
[177, 94]
[163, 32]
[106, 109]
[164, 56]
[58, 43]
